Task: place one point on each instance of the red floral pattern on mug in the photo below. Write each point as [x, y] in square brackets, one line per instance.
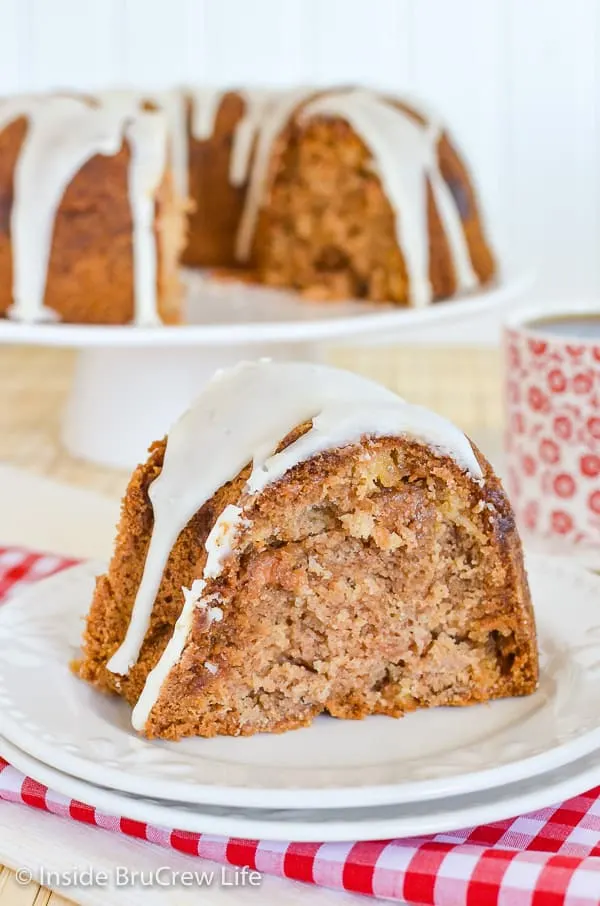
[593, 426]
[562, 523]
[530, 514]
[538, 401]
[553, 417]
[564, 485]
[538, 347]
[549, 451]
[590, 465]
[514, 392]
[583, 383]
[514, 358]
[563, 427]
[517, 423]
[557, 382]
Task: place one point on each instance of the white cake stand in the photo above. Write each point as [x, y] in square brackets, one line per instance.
[131, 383]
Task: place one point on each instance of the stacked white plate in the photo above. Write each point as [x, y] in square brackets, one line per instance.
[432, 771]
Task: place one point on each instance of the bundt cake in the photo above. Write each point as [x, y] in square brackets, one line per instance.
[302, 542]
[90, 226]
[336, 194]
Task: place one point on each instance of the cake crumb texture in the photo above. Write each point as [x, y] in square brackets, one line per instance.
[328, 229]
[373, 579]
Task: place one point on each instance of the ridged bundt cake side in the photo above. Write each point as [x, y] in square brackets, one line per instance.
[91, 228]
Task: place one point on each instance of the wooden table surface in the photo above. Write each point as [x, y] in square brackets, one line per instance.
[14, 894]
[463, 384]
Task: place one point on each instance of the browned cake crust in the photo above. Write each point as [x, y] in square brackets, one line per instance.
[217, 203]
[377, 578]
[327, 227]
[90, 272]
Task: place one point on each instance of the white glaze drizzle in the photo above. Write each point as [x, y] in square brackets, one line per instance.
[233, 431]
[404, 157]
[148, 160]
[340, 424]
[256, 106]
[206, 103]
[205, 107]
[174, 105]
[218, 547]
[63, 134]
[466, 278]
[168, 659]
[148, 136]
[276, 118]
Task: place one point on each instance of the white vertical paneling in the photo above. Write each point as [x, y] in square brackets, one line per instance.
[196, 42]
[13, 24]
[518, 81]
[162, 46]
[357, 42]
[551, 69]
[458, 66]
[72, 43]
[261, 42]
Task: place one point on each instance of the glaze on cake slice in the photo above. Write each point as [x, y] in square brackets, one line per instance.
[304, 541]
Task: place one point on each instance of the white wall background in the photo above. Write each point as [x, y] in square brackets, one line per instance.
[518, 80]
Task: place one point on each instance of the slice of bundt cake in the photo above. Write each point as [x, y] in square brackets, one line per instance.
[304, 541]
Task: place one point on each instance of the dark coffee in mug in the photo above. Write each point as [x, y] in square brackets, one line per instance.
[579, 327]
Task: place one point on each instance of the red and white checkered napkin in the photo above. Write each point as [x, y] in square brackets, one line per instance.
[547, 858]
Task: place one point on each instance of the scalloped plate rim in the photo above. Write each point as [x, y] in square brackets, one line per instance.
[351, 824]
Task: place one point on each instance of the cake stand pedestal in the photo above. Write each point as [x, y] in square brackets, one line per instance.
[122, 399]
[131, 383]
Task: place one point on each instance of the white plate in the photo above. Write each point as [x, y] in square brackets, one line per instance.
[223, 313]
[61, 721]
[382, 822]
